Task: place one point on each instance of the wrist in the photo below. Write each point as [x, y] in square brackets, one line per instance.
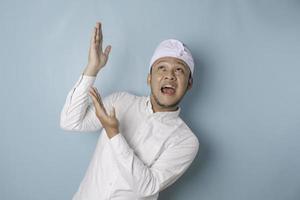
[111, 132]
[90, 71]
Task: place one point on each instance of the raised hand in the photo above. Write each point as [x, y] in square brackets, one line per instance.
[97, 58]
[109, 121]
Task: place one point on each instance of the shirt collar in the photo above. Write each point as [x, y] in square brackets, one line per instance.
[167, 114]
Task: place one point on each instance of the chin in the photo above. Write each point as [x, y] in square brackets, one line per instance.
[168, 103]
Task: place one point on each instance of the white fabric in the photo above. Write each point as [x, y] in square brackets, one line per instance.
[150, 153]
[173, 48]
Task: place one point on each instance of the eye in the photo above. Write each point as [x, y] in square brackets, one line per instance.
[179, 69]
[161, 67]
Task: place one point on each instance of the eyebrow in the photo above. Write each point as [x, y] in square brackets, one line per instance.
[178, 62]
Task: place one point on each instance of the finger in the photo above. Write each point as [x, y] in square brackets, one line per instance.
[113, 112]
[95, 101]
[99, 36]
[100, 111]
[107, 50]
[96, 94]
[97, 32]
[93, 36]
[99, 25]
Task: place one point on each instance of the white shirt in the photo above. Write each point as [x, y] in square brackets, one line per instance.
[150, 153]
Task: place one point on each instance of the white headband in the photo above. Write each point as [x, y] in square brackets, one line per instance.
[173, 48]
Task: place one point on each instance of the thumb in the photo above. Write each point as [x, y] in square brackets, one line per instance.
[107, 50]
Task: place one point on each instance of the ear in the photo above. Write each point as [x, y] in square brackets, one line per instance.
[190, 83]
[149, 79]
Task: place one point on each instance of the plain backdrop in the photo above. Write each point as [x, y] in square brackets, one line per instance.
[244, 106]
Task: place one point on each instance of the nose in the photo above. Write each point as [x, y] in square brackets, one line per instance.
[170, 75]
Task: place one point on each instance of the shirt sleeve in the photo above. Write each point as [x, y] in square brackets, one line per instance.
[78, 113]
[171, 164]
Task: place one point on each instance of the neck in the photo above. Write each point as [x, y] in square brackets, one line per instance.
[161, 108]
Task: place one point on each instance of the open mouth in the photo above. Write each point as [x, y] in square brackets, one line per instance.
[168, 90]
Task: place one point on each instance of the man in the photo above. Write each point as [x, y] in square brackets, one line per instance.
[144, 146]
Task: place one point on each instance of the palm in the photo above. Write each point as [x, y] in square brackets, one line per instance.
[108, 121]
[98, 58]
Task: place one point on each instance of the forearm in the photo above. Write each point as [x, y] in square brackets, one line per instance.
[77, 113]
[167, 168]
[90, 71]
[143, 181]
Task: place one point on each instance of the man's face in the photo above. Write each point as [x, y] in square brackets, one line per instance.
[169, 80]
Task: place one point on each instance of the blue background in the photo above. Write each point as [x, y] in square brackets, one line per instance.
[244, 106]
